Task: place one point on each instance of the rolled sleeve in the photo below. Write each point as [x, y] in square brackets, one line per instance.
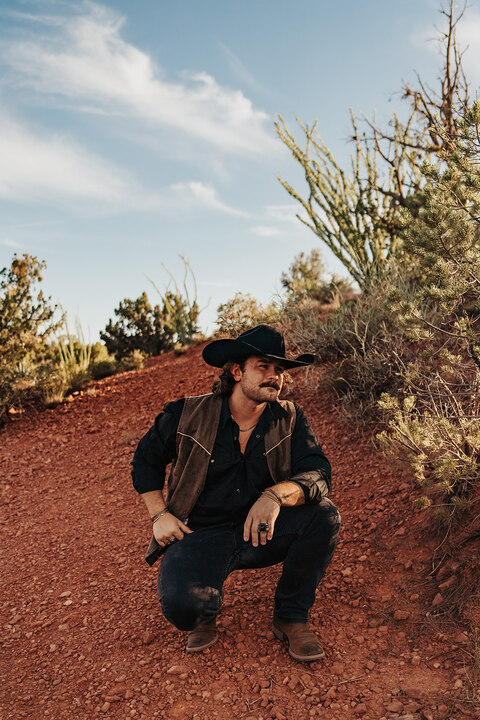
[156, 450]
[310, 467]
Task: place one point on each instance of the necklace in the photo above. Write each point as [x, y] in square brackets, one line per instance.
[246, 429]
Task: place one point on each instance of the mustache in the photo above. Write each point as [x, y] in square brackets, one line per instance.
[271, 385]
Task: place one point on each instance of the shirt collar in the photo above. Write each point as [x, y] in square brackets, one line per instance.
[272, 412]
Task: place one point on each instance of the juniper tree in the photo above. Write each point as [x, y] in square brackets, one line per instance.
[435, 426]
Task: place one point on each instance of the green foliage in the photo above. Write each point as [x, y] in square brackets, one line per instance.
[242, 312]
[27, 318]
[305, 279]
[360, 344]
[348, 212]
[357, 213]
[133, 361]
[138, 326]
[438, 434]
[154, 329]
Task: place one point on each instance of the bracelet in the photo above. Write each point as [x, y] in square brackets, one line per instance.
[159, 515]
[272, 495]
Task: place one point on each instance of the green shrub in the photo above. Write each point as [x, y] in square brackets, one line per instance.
[242, 312]
[133, 361]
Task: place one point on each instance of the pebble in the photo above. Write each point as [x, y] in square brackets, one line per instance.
[177, 670]
[437, 600]
[338, 668]
[401, 615]
[148, 637]
[395, 706]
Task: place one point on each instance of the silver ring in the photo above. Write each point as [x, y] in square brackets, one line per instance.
[262, 527]
[171, 541]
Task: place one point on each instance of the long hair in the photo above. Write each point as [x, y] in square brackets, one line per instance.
[225, 382]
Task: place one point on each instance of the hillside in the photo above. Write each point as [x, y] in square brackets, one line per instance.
[83, 633]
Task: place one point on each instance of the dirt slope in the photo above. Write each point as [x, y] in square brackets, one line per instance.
[83, 636]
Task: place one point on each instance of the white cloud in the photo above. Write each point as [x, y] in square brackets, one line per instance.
[284, 213]
[87, 62]
[265, 231]
[39, 168]
[194, 194]
[53, 169]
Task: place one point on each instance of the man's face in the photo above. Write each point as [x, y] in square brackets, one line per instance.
[261, 380]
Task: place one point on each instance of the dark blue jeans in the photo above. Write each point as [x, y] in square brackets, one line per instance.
[193, 570]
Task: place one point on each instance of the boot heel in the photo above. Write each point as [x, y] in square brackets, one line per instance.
[278, 633]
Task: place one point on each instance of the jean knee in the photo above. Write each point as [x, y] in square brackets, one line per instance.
[329, 519]
[188, 608]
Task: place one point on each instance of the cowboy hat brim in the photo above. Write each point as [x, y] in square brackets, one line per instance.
[218, 352]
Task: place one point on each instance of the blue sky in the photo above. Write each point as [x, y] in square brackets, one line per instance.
[132, 132]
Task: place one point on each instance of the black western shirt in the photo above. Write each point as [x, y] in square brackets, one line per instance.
[234, 480]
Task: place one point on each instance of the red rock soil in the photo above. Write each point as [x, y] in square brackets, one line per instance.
[83, 633]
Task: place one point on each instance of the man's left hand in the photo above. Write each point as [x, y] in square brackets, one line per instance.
[264, 510]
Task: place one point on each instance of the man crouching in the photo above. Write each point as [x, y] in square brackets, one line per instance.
[248, 489]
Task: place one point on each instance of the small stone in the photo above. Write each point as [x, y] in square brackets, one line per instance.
[148, 637]
[395, 706]
[128, 695]
[68, 602]
[347, 572]
[401, 615]
[116, 633]
[458, 684]
[65, 594]
[437, 600]
[370, 664]
[414, 597]
[360, 709]
[177, 670]
[416, 660]
[338, 668]
[105, 707]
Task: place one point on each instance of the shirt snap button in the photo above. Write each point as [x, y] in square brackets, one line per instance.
[257, 436]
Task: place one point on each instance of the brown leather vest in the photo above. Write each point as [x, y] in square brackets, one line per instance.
[196, 433]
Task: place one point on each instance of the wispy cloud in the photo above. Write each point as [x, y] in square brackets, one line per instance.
[39, 168]
[240, 70]
[198, 195]
[283, 213]
[44, 168]
[87, 62]
[265, 231]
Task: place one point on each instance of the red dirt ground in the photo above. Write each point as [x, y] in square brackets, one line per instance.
[83, 633]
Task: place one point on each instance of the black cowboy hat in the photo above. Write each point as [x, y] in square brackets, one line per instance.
[262, 340]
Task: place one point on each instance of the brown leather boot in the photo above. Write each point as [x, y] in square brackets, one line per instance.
[303, 643]
[202, 637]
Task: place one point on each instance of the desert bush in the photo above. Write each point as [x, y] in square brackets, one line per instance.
[27, 321]
[138, 326]
[306, 279]
[434, 428]
[361, 345]
[133, 361]
[242, 312]
[154, 329]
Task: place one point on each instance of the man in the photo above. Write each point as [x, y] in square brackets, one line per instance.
[247, 489]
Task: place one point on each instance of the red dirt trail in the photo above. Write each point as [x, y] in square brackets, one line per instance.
[83, 636]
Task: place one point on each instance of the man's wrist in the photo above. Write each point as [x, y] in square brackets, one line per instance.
[158, 515]
[270, 493]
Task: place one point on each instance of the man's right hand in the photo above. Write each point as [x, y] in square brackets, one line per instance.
[168, 528]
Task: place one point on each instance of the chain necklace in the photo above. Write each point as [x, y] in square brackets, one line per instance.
[246, 429]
